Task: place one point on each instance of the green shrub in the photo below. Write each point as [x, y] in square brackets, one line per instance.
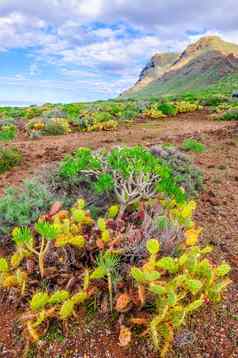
[129, 114]
[56, 126]
[214, 101]
[168, 109]
[231, 115]
[9, 158]
[131, 173]
[48, 126]
[32, 112]
[7, 132]
[73, 110]
[188, 97]
[100, 117]
[185, 173]
[193, 146]
[23, 206]
[11, 112]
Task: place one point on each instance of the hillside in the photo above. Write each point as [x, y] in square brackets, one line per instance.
[202, 64]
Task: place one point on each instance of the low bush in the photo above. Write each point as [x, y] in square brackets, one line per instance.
[48, 126]
[102, 126]
[23, 206]
[154, 113]
[225, 107]
[102, 117]
[193, 146]
[169, 109]
[130, 173]
[56, 126]
[73, 110]
[213, 101]
[32, 112]
[185, 173]
[129, 114]
[9, 158]
[7, 132]
[231, 115]
[185, 107]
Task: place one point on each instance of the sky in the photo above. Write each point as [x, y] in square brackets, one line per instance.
[83, 50]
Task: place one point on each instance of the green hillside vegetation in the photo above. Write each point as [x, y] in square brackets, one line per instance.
[197, 85]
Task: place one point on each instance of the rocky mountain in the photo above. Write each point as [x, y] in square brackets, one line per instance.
[154, 69]
[201, 64]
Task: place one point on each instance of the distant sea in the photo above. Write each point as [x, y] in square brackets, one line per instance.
[16, 103]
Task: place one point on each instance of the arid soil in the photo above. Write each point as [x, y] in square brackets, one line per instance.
[211, 333]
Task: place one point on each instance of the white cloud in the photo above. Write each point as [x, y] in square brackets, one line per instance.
[105, 43]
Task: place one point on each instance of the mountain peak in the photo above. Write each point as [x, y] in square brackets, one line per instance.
[210, 40]
[211, 43]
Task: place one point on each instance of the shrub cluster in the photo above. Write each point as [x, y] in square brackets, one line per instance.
[9, 158]
[214, 100]
[48, 126]
[185, 107]
[154, 113]
[7, 132]
[158, 110]
[86, 117]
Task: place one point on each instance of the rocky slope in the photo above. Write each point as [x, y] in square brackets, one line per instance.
[154, 69]
[201, 64]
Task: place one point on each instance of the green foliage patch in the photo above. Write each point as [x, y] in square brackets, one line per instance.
[231, 115]
[168, 109]
[7, 132]
[24, 206]
[9, 158]
[132, 173]
[193, 146]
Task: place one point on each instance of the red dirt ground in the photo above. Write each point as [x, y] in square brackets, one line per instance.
[212, 333]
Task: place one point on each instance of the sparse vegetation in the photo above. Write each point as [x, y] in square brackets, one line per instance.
[89, 117]
[193, 146]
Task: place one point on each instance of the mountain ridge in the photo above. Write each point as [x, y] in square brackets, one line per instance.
[202, 63]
